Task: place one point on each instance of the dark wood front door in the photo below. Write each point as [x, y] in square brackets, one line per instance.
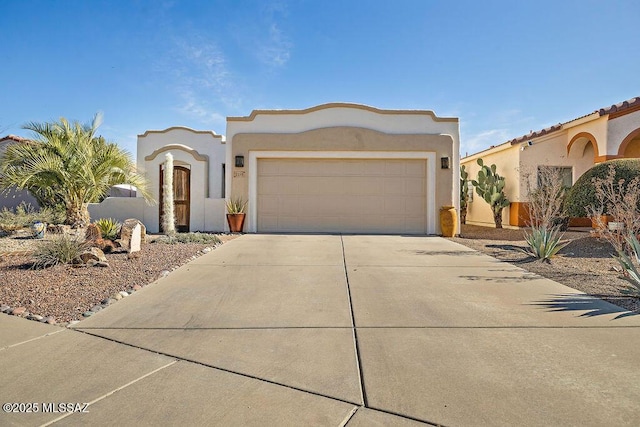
[181, 196]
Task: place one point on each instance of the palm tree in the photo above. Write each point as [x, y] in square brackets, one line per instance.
[68, 163]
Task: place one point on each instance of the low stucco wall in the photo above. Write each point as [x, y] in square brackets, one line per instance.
[119, 208]
[211, 213]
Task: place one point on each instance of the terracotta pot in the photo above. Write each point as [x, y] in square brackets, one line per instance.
[236, 222]
[605, 219]
[448, 221]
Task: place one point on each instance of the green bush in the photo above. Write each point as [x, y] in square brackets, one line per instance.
[109, 228]
[202, 238]
[61, 250]
[24, 215]
[583, 193]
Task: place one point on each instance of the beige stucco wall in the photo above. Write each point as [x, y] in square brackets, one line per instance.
[551, 150]
[506, 158]
[345, 128]
[619, 128]
[345, 139]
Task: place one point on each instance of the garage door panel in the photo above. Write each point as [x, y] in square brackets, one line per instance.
[342, 195]
[414, 187]
[416, 169]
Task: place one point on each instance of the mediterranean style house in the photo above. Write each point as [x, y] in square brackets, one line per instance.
[331, 168]
[573, 147]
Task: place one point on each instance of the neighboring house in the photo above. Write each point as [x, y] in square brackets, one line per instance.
[573, 147]
[11, 198]
[330, 168]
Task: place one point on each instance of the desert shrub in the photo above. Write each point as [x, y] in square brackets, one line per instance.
[194, 237]
[109, 228]
[61, 250]
[24, 215]
[583, 193]
[547, 198]
[621, 200]
[544, 242]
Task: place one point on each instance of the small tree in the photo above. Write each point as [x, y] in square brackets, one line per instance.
[546, 199]
[490, 186]
[68, 163]
[545, 210]
[620, 199]
[464, 194]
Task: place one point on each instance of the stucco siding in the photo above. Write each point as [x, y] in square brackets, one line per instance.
[119, 208]
[620, 128]
[506, 160]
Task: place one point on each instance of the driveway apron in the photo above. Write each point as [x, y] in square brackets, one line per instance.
[338, 330]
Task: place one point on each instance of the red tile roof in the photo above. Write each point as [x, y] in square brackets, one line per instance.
[616, 108]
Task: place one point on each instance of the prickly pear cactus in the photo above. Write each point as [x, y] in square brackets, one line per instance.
[464, 194]
[490, 186]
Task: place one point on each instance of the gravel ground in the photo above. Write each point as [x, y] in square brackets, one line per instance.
[585, 264]
[65, 292]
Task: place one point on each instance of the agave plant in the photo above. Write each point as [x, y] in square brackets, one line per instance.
[109, 228]
[236, 205]
[626, 262]
[544, 242]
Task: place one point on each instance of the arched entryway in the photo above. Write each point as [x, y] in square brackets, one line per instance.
[181, 196]
[630, 146]
[583, 145]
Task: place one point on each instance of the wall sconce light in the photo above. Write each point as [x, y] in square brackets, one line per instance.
[444, 162]
[239, 161]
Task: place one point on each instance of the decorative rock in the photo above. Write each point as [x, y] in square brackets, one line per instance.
[207, 250]
[117, 297]
[107, 301]
[96, 308]
[137, 287]
[93, 254]
[5, 308]
[101, 264]
[93, 233]
[164, 273]
[136, 239]
[36, 317]
[124, 293]
[87, 314]
[126, 232]
[19, 311]
[105, 245]
[52, 320]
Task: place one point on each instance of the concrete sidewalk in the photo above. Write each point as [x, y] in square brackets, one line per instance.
[334, 330]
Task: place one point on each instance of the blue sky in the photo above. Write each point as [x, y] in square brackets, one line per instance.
[503, 67]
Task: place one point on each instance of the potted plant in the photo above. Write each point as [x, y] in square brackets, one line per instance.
[235, 214]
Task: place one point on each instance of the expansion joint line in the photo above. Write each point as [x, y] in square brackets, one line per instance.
[363, 391]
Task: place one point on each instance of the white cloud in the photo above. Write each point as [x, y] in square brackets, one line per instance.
[203, 80]
[275, 50]
[474, 142]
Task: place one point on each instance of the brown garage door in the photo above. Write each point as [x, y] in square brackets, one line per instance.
[337, 195]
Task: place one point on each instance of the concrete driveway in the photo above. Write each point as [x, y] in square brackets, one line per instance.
[335, 330]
